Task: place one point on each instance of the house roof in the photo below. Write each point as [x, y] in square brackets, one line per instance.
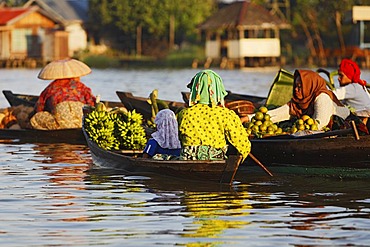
[8, 16]
[244, 15]
[65, 10]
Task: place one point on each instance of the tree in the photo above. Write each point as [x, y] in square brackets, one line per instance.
[126, 22]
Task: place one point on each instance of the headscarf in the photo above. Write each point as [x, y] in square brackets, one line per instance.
[207, 88]
[167, 134]
[352, 71]
[312, 85]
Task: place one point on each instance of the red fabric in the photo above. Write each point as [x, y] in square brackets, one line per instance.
[352, 71]
[64, 90]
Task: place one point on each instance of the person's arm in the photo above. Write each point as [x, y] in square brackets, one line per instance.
[340, 93]
[150, 148]
[237, 135]
[325, 107]
[279, 114]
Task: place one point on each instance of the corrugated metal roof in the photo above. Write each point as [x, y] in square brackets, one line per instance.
[9, 14]
[66, 10]
[243, 14]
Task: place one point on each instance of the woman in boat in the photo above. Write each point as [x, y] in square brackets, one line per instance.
[353, 91]
[310, 97]
[60, 104]
[207, 125]
[165, 143]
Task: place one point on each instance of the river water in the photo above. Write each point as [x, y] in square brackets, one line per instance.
[52, 194]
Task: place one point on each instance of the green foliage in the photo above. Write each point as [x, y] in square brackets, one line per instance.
[101, 61]
[120, 19]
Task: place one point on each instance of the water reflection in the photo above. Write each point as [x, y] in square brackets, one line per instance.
[54, 195]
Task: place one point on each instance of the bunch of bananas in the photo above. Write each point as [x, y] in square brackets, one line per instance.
[131, 132]
[115, 130]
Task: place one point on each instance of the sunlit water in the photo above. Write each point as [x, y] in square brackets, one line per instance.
[52, 194]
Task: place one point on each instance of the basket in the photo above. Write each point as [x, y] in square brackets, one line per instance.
[241, 107]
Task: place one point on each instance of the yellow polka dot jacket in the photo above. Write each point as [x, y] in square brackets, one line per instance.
[202, 124]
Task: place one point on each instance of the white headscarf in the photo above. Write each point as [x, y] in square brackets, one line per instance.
[167, 134]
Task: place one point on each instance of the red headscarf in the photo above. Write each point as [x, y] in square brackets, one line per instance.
[352, 71]
[312, 85]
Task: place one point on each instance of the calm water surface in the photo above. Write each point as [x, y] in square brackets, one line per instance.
[52, 194]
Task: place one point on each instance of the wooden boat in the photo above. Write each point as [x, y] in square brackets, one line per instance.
[141, 105]
[221, 171]
[256, 100]
[30, 100]
[72, 136]
[334, 153]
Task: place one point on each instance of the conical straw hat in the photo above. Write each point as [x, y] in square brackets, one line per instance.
[67, 68]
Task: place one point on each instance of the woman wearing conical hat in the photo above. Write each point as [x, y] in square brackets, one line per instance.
[66, 84]
[60, 103]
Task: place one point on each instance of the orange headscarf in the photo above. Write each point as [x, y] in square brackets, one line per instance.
[312, 85]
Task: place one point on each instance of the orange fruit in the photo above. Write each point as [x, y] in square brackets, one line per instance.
[259, 116]
[305, 117]
[263, 109]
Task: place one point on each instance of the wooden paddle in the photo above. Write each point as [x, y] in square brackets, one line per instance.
[260, 164]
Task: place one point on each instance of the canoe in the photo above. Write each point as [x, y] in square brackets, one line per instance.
[15, 99]
[334, 153]
[70, 136]
[221, 171]
[141, 105]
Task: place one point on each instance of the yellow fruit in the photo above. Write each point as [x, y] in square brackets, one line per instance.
[263, 109]
[271, 129]
[310, 121]
[263, 127]
[305, 117]
[300, 122]
[266, 117]
[258, 123]
[301, 127]
[259, 116]
[314, 127]
[255, 128]
[279, 131]
[293, 129]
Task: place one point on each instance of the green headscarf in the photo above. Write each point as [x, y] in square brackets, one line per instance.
[207, 88]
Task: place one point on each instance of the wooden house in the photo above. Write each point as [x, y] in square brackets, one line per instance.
[244, 33]
[30, 34]
[72, 14]
[361, 14]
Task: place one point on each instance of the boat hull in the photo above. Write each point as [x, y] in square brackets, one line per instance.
[221, 171]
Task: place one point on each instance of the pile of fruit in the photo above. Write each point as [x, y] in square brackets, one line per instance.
[260, 125]
[115, 129]
[304, 123]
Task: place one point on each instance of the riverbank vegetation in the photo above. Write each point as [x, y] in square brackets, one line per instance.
[164, 32]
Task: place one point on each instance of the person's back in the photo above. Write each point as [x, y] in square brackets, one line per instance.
[165, 143]
[66, 84]
[206, 126]
[60, 104]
